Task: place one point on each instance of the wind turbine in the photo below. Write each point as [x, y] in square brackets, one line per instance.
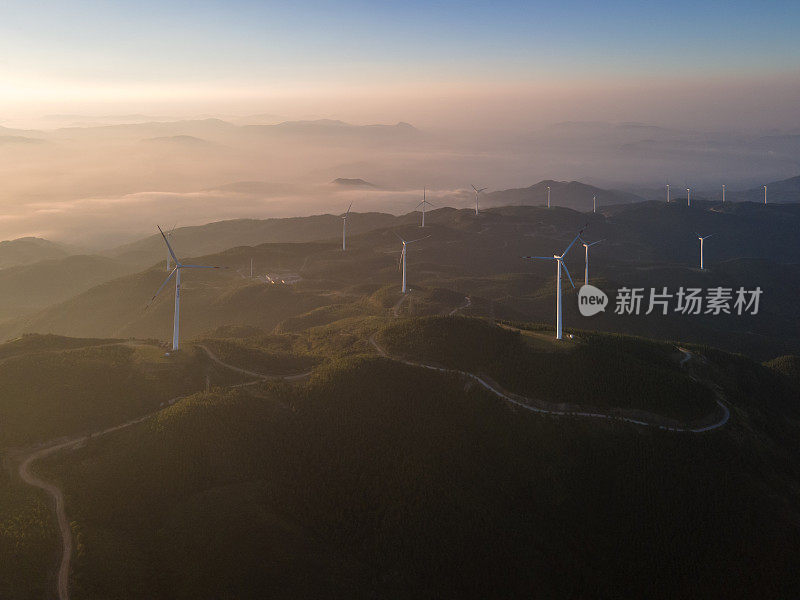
[765, 195]
[403, 253]
[723, 193]
[176, 271]
[169, 235]
[344, 227]
[594, 203]
[586, 260]
[548, 196]
[688, 196]
[667, 193]
[251, 268]
[702, 239]
[477, 191]
[424, 204]
[559, 265]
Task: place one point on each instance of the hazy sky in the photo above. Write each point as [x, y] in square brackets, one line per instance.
[433, 62]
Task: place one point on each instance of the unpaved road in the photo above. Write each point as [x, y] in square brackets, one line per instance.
[65, 531]
[541, 407]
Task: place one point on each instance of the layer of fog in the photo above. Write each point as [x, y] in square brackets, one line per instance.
[99, 183]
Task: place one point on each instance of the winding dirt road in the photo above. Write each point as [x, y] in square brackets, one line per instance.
[643, 418]
[65, 531]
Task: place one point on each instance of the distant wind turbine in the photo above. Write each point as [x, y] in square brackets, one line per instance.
[667, 193]
[176, 271]
[251, 268]
[424, 204]
[594, 203]
[702, 239]
[559, 265]
[169, 235]
[765, 195]
[477, 191]
[723, 193]
[548, 196]
[688, 196]
[586, 260]
[403, 254]
[344, 227]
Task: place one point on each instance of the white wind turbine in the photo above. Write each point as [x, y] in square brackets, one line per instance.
[548, 196]
[594, 203]
[344, 227]
[586, 260]
[403, 254]
[176, 271]
[477, 191]
[723, 193]
[667, 193]
[424, 204]
[169, 235]
[765, 195]
[702, 239]
[688, 196]
[559, 265]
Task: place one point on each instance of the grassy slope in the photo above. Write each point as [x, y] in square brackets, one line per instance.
[384, 480]
[599, 370]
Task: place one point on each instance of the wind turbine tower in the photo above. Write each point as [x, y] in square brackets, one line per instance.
[477, 191]
[403, 255]
[424, 204]
[548, 196]
[702, 239]
[586, 260]
[559, 258]
[688, 196]
[765, 195]
[176, 272]
[344, 227]
[594, 203]
[667, 193]
[723, 193]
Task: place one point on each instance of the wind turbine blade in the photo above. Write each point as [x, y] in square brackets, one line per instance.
[166, 281]
[597, 242]
[175, 258]
[397, 235]
[474, 188]
[418, 239]
[482, 189]
[202, 267]
[420, 204]
[537, 257]
[577, 237]
[348, 209]
[561, 263]
[173, 229]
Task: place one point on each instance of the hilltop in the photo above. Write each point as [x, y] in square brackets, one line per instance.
[26, 250]
[367, 481]
[647, 245]
[571, 194]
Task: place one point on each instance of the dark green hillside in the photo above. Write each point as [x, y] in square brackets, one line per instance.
[584, 371]
[60, 390]
[383, 480]
[648, 245]
[25, 289]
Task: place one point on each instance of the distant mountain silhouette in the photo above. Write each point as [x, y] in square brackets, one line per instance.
[27, 250]
[343, 181]
[570, 194]
[182, 140]
[785, 190]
